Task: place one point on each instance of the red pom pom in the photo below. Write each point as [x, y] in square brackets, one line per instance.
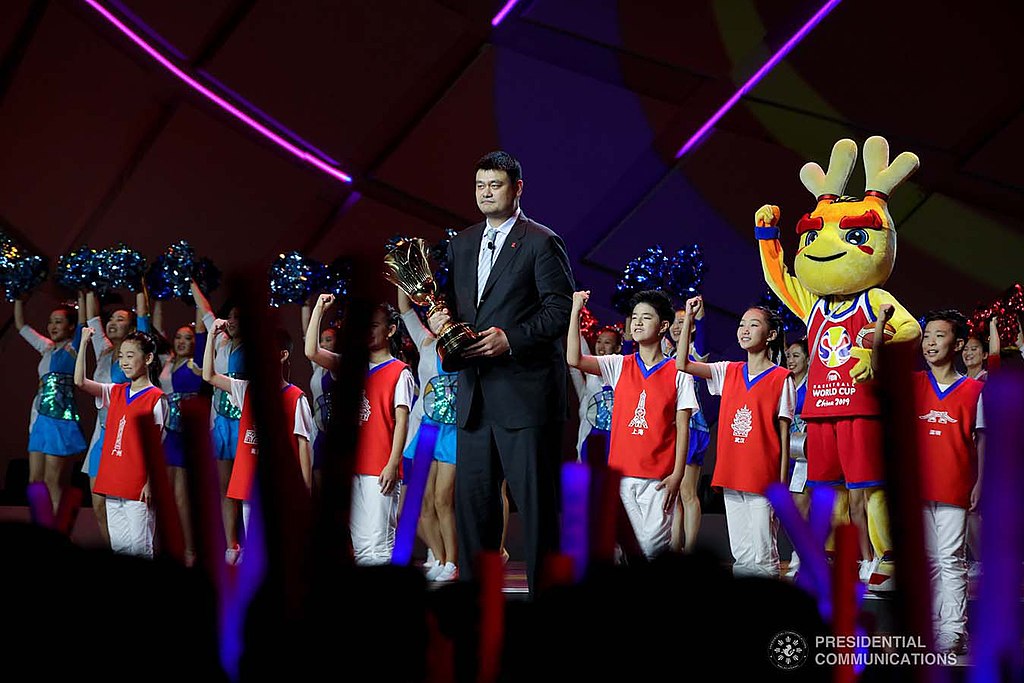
[589, 326]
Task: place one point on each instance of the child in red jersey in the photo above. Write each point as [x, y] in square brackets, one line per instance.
[122, 476]
[650, 426]
[951, 443]
[297, 414]
[758, 402]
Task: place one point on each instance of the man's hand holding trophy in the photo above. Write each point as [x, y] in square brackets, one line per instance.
[408, 267]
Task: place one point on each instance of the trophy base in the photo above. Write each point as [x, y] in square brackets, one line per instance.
[452, 342]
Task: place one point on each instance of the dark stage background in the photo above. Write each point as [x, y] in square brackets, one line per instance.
[99, 144]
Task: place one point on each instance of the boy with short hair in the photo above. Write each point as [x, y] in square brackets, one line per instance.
[650, 426]
[950, 416]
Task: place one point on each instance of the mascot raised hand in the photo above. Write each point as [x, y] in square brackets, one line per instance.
[846, 252]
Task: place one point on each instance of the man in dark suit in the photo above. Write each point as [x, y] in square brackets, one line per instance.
[511, 282]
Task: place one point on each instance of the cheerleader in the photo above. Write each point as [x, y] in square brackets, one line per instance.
[595, 397]
[435, 407]
[321, 384]
[758, 399]
[686, 524]
[122, 477]
[180, 379]
[229, 360]
[797, 362]
[55, 436]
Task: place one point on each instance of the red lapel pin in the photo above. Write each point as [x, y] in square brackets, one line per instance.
[513, 245]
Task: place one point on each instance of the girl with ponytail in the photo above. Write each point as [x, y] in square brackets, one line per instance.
[758, 399]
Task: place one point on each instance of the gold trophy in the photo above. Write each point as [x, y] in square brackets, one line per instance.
[408, 266]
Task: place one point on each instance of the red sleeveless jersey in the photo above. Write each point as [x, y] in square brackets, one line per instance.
[749, 452]
[832, 334]
[122, 470]
[243, 473]
[643, 442]
[377, 418]
[945, 435]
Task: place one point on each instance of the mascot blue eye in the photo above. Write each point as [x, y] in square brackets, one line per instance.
[856, 237]
[811, 236]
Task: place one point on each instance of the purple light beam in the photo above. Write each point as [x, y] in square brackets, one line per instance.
[758, 75]
[500, 16]
[213, 97]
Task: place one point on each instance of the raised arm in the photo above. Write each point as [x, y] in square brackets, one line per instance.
[885, 314]
[994, 343]
[81, 381]
[19, 313]
[211, 376]
[158, 318]
[304, 314]
[683, 360]
[82, 317]
[573, 356]
[100, 343]
[314, 352]
[789, 290]
[417, 330]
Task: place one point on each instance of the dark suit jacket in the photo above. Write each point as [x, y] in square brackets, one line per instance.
[529, 296]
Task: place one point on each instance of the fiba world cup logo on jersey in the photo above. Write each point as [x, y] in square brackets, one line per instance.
[834, 347]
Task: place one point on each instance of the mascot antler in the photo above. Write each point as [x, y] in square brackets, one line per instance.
[840, 165]
[881, 176]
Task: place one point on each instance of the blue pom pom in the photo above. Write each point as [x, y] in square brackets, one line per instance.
[291, 279]
[206, 274]
[169, 276]
[685, 273]
[337, 280]
[121, 267]
[646, 271]
[79, 269]
[20, 271]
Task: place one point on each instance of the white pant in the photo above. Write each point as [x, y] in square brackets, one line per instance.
[131, 524]
[373, 521]
[945, 538]
[651, 524]
[752, 534]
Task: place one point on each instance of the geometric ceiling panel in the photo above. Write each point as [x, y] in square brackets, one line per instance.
[205, 181]
[1002, 157]
[306, 65]
[72, 116]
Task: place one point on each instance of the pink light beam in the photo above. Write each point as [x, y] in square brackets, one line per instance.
[216, 99]
[758, 75]
[500, 16]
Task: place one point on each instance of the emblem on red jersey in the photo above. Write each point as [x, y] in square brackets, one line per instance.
[364, 410]
[639, 421]
[742, 424]
[834, 347]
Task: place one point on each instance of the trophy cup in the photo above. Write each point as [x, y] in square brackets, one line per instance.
[408, 267]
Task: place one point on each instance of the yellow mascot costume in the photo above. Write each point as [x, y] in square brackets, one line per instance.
[846, 252]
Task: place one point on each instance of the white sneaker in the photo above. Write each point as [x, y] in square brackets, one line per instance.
[448, 573]
[794, 565]
[434, 570]
[431, 560]
[947, 641]
[233, 555]
[866, 569]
